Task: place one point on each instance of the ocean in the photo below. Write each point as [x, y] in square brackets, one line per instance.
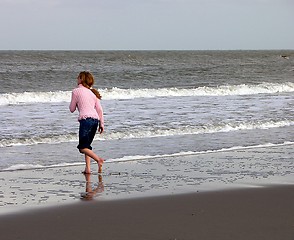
[156, 104]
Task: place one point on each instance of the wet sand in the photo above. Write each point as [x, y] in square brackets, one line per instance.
[253, 167]
[246, 194]
[253, 213]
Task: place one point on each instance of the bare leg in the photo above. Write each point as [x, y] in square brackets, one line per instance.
[89, 153]
[88, 165]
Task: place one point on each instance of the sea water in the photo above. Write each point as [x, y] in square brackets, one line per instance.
[156, 104]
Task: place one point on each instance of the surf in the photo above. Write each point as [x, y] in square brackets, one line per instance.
[119, 93]
[136, 158]
[139, 134]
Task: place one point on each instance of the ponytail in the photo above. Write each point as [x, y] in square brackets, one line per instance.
[96, 92]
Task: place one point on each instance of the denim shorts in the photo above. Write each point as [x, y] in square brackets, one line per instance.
[87, 131]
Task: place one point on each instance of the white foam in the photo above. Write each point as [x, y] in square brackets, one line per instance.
[37, 140]
[118, 93]
[149, 133]
[189, 153]
[134, 158]
[34, 97]
[23, 167]
[197, 130]
[18, 167]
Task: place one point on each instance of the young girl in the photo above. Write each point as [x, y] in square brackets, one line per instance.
[87, 100]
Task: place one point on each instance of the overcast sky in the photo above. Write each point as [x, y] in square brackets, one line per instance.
[146, 24]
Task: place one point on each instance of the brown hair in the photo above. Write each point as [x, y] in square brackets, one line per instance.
[87, 80]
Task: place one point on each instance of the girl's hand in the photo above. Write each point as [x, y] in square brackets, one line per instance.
[100, 129]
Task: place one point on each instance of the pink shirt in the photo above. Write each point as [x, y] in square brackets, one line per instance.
[87, 103]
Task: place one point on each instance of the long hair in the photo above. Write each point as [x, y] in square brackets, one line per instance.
[87, 80]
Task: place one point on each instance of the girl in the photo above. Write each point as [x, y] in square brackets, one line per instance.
[87, 100]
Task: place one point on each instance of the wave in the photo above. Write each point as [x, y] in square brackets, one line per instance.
[38, 140]
[18, 167]
[133, 134]
[190, 130]
[118, 93]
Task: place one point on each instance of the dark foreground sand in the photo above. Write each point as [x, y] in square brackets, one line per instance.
[255, 213]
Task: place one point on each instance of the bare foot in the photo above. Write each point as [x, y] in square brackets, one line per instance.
[100, 162]
[99, 168]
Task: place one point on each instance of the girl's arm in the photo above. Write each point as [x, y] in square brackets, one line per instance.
[99, 110]
[73, 103]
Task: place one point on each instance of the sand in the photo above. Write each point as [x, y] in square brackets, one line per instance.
[236, 195]
[253, 213]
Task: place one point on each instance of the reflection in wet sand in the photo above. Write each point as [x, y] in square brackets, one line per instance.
[91, 191]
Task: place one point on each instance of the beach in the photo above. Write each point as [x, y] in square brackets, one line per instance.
[197, 145]
[256, 214]
[166, 198]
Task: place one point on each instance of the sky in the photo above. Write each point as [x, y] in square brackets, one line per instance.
[146, 24]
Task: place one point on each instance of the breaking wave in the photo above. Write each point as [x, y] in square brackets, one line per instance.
[118, 93]
[132, 134]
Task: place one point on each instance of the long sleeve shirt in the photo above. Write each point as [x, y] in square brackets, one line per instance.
[87, 104]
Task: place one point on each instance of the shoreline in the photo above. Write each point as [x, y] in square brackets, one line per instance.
[236, 195]
[237, 169]
[251, 213]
